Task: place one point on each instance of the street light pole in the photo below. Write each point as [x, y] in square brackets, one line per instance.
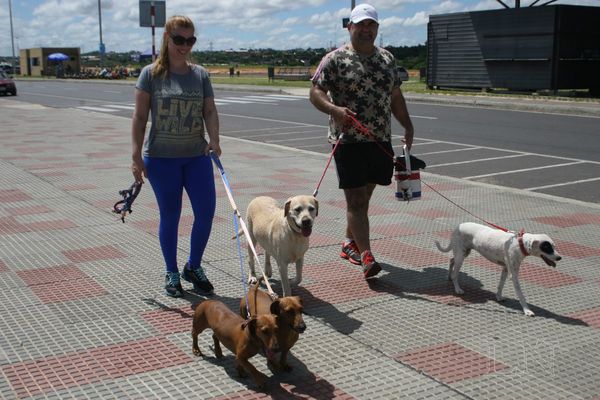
[12, 38]
[352, 5]
[100, 25]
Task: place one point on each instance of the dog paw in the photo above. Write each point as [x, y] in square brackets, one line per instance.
[295, 282]
[197, 352]
[500, 298]
[529, 313]
[261, 381]
[252, 280]
[286, 368]
[459, 291]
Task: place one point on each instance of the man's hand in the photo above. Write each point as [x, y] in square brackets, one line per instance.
[340, 117]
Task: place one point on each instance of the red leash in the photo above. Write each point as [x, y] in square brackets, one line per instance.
[327, 166]
[365, 131]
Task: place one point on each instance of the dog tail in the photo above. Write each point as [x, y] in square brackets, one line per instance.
[440, 248]
[239, 234]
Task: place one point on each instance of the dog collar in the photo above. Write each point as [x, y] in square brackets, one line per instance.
[521, 244]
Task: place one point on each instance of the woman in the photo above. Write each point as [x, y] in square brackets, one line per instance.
[175, 155]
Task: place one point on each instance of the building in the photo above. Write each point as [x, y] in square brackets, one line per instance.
[34, 62]
[530, 48]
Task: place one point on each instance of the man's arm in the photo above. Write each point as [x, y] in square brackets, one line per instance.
[401, 114]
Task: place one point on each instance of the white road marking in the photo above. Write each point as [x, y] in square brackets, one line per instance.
[563, 184]
[479, 160]
[101, 109]
[119, 106]
[262, 100]
[515, 171]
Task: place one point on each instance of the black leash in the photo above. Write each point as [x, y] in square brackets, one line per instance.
[129, 195]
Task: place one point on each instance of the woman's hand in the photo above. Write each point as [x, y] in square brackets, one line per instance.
[213, 146]
[138, 169]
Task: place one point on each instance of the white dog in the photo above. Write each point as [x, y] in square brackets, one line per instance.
[506, 249]
[282, 233]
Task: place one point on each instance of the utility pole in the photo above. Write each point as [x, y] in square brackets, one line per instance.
[12, 38]
[352, 5]
[100, 25]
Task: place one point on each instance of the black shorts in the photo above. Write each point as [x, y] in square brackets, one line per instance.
[358, 164]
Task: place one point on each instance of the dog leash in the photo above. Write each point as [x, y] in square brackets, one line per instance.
[238, 217]
[365, 131]
[337, 143]
[123, 206]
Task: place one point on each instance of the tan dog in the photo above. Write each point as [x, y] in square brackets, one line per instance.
[242, 337]
[289, 320]
[282, 233]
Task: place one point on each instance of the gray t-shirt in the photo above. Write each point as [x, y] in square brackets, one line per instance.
[176, 105]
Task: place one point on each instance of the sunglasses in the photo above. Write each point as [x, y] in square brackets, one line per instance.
[180, 40]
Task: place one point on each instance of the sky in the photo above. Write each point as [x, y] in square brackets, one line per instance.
[223, 24]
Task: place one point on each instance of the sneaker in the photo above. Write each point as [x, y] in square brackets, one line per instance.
[173, 285]
[198, 278]
[351, 253]
[370, 266]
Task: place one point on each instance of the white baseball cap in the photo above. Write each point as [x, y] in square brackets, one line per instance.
[362, 12]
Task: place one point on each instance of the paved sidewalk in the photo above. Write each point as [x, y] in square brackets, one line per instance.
[84, 315]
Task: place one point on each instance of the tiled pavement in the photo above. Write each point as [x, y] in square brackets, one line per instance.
[83, 314]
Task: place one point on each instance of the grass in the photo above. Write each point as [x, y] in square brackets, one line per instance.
[413, 85]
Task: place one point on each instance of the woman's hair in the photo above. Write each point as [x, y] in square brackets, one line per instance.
[161, 66]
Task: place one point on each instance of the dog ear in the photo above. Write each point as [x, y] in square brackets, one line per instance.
[286, 208]
[299, 300]
[251, 324]
[317, 207]
[275, 307]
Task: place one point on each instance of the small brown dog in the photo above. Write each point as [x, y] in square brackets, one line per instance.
[242, 337]
[289, 320]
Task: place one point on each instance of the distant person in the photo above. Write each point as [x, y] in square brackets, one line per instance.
[175, 155]
[360, 79]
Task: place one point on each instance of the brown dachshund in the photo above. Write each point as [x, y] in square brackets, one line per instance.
[289, 320]
[242, 337]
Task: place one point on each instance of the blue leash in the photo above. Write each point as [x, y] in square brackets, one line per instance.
[240, 254]
[236, 216]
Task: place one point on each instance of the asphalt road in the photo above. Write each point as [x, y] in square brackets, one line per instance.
[540, 152]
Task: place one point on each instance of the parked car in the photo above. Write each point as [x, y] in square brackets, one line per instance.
[7, 85]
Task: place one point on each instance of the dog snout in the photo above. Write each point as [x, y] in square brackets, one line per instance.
[306, 222]
[558, 258]
[275, 346]
[301, 327]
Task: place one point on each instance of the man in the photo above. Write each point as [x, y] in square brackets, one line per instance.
[360, 80]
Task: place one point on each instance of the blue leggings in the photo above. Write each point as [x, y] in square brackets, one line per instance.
[168, 177]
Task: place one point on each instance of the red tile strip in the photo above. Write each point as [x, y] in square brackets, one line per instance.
[60, 283]
[590, 317]
[32, 210]
[566, 221]
[13, 195]
[170, 320]
[31, 378]
[576, 250]
[94, 254]
[450, 362]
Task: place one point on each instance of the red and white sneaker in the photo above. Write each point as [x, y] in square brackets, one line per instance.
[370, 266]
[351, 253]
